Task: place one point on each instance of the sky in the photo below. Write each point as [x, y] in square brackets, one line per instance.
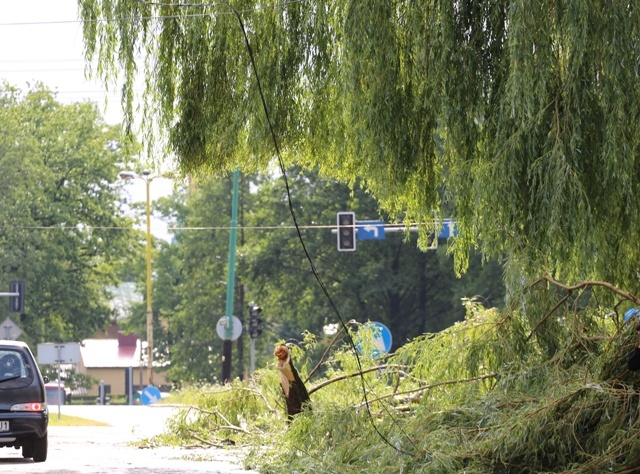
[41, 41]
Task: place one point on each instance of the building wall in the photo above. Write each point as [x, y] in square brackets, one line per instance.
[115, 378]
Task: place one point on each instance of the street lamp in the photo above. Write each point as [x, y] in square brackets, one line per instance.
[127, 175]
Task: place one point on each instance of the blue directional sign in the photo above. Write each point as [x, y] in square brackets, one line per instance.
[449, 229]
[150, 395]
[370, 230]
[382, 339]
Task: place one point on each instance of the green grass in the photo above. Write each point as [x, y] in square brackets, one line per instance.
[66, 420]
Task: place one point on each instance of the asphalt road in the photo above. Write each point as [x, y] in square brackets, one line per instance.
[107, 449]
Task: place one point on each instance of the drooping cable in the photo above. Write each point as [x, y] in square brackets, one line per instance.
[309, 259]
[299, 233]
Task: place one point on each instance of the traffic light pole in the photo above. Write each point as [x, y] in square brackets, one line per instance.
[227, 343]
[252, 356]
[254, 331]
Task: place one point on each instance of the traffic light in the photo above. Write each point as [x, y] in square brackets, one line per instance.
[346, 231]
[254, 320]
[16, 302]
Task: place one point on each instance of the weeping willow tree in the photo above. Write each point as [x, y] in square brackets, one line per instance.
[521, 116]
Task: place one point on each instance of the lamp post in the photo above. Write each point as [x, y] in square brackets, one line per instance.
[127, 175]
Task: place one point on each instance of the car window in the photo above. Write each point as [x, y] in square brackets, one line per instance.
[14, 366]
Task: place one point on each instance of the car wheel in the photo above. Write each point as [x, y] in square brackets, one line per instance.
[27, 450]
[39, 449]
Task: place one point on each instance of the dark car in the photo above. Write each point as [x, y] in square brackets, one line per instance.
[24, 416]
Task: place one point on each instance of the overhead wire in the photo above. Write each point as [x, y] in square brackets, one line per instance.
[158, 17]
[295, 221]
[309, 259]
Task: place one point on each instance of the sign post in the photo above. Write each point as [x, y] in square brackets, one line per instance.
[229, 328]
[64, 353]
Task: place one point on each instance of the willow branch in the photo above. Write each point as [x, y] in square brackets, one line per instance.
[356, 374]
[429, 387]
[549, 313]
[571, 288]
[257, 392]
[584, 284]
[333, 341]
[228, 426]
[202, 440]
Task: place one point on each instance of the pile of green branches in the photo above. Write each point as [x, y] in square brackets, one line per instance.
[505, 391]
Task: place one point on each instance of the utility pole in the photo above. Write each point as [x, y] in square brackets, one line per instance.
[147, 178]
[227, 344]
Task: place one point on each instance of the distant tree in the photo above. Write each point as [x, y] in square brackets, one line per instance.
[59, 225]
[168, 277]
[193, 282]
[389, 280]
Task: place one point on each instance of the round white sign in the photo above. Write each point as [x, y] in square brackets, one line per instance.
[221, 328]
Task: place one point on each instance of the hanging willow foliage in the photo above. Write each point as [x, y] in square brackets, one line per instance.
[522, 116]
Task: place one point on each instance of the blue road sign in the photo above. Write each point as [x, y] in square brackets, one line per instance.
[370, 230]
[631, 313]
[150, 395]
[382, 339]
[449, 229]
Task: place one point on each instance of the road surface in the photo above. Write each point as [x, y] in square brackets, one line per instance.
[108, 450]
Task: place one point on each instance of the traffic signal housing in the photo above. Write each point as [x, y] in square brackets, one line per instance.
[16, 301]
[346, 231]
[255, 321]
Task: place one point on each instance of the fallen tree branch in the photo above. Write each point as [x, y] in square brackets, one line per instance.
[228, 426]
[202, 440]
[253, 391]
[429, 387]
[356, 374]
[571, 288]
[259, 394]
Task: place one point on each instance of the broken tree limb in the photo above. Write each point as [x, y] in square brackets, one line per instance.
[294, 391]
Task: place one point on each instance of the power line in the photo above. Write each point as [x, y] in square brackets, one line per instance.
[56, 70]
[43, 60]
[224, 10]
[205, 228]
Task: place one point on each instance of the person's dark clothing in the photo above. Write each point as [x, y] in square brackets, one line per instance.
[634, 359]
